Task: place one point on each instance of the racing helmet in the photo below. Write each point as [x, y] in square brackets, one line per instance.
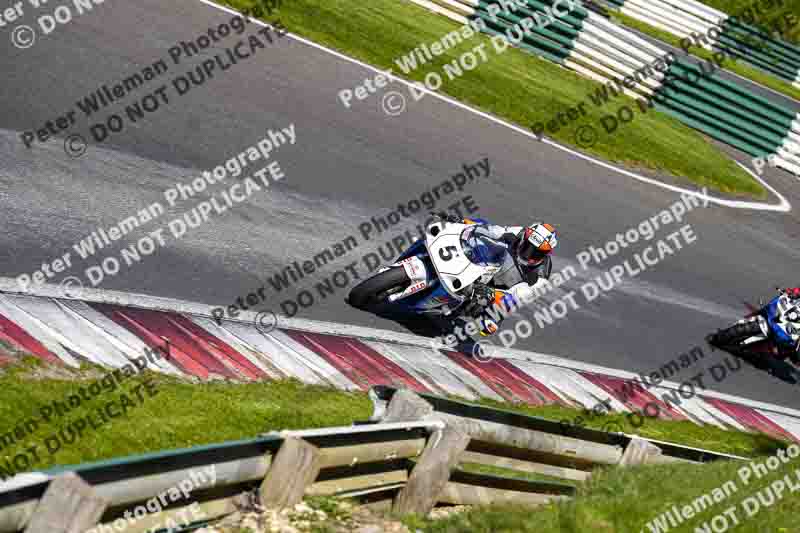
[536, 243]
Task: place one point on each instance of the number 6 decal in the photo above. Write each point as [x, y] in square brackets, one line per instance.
[446, 252]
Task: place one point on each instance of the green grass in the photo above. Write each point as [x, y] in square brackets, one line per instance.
[184, 414]
[478, 468]
[181, 414]
[625, 500]
[515, 85]
[731, 64]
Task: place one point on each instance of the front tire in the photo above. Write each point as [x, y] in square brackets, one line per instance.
[377, 289]
[735, 334]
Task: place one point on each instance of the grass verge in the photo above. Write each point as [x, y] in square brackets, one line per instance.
[628, 499]
[184, 413]
[731, 64]
[181, 413]
[514, 85]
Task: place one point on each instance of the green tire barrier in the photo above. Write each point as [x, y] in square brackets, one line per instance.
[543, 39]
[695, 95]
[738, 39]
[773, 64]
[762, 39]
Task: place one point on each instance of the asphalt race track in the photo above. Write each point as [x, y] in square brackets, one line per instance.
[346, 166]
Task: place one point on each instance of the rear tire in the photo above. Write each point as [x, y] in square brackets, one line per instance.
[735, 334]
[377, 289]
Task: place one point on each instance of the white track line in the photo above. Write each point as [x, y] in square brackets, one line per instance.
[784, 206]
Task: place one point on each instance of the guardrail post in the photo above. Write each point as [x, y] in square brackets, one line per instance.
[406, 406]
[294, 468]
[441, 454]
[640, 452]
[432, 472]
[69, 505]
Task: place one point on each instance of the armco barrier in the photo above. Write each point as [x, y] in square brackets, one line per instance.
[408, 459]
[689, 19]
[374, 456]
[381, 397]
[598, 49]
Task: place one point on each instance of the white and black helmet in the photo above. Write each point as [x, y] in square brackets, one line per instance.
[536, 242]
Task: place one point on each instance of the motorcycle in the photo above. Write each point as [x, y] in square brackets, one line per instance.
[766, 332]
[434, 275]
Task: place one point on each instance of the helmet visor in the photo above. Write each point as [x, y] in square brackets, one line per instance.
[530, 254]
[536, 244]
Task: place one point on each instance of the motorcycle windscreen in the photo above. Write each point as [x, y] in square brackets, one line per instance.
[454, 268]
[481, 249]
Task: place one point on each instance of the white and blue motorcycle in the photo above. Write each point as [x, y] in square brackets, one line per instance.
[770, 331]
[435, 275]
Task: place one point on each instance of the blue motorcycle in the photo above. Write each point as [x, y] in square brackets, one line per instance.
[771, 331]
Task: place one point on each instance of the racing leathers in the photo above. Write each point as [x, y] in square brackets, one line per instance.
[510, 284]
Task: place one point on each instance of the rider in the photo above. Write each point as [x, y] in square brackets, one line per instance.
[787, 337]
[526, 259]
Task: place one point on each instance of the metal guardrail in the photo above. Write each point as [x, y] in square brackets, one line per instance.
[382, 395]
[240, 466]
[407, 457]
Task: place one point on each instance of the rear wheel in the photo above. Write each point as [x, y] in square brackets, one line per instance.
[735, 334]
[377, 289]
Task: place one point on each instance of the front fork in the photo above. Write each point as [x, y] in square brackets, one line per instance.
[764, 325]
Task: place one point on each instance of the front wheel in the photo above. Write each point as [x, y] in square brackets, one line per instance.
[735, 334]
[378, 288]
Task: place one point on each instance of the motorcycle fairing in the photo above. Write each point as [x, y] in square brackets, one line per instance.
[455, 270]
[785, 332]
[424, 293]
[417, 273]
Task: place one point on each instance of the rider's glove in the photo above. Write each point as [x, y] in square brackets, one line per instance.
[451, 218]
[482, 294]
[481, 297]
[489, 327]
